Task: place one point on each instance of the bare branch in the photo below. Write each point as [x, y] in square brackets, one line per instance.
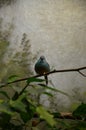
[68, 70]
[82, 73]
[51, 72]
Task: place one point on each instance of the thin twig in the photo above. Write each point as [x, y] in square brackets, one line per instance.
[82, 73]
[23, 89]
[51, 72]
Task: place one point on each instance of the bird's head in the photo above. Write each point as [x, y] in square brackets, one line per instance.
[42, 57]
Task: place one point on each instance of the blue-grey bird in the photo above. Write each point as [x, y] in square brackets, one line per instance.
[42, 67]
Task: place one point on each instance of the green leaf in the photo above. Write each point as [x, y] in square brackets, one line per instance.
[5, 94]
[5, 120]
[22, 96]
[54, 89]
[34, 80]
[80, 111]
[1, 101]
[74, 106]
[46, 115]
[56, 114]
[30, 110]
[5, 108]
[31, 102]
[12, 78]
[35, 128]
[18, 105]
[81, 125]
[26, 116]
[48, 94]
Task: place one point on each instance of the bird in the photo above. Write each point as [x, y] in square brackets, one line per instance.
[42, 67]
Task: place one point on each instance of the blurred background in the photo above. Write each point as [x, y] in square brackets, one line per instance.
[53, 28]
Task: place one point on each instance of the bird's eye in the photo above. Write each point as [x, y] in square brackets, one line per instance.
[42, 57]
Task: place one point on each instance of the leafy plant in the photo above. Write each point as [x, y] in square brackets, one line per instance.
[80, 111]
[21, 107]
[18, 111]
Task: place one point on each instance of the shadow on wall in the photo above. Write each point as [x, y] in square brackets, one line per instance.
[6, 2]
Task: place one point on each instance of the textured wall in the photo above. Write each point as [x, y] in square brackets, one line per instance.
[56, 29]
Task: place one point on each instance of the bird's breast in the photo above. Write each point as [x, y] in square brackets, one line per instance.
[42, 68]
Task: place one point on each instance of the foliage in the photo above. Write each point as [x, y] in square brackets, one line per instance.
[14, 61]
[80, 111]
[45, 115]
[20, 107]
[18, 112]
[6, 2]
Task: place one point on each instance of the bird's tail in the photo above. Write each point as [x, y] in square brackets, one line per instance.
[46, 79]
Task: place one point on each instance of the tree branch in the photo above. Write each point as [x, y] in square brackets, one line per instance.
[69, 70]
[51, 72]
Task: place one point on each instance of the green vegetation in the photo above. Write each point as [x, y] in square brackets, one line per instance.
[21, 111]
[6, 2]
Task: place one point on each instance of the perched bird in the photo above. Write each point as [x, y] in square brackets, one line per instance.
[42, 67]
